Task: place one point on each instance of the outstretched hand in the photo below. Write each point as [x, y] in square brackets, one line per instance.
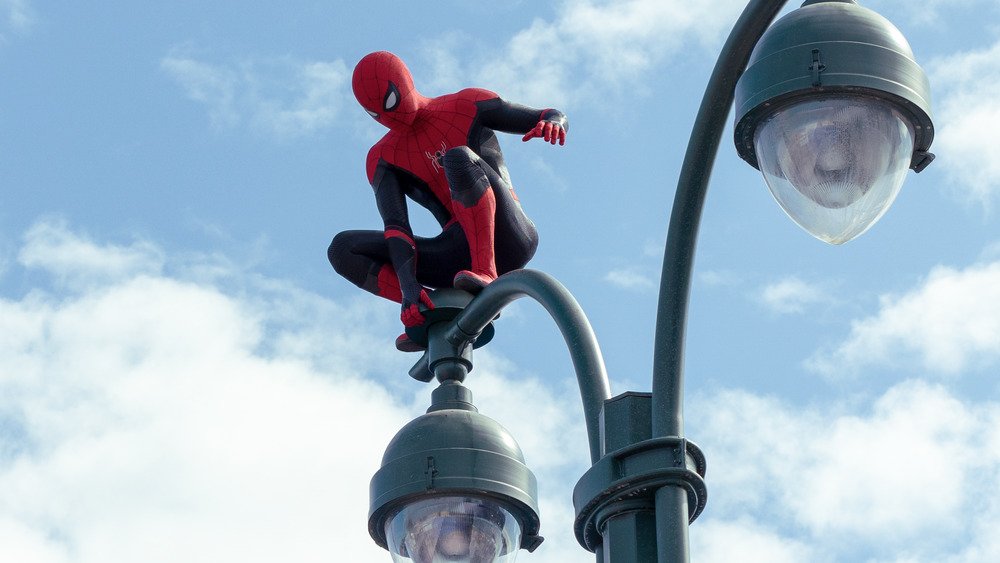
[411, 315]
[549, 131]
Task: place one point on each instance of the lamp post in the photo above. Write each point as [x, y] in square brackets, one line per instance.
[833, 110]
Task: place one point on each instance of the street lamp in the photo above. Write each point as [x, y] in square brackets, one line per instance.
[833, 110]
[453, 485]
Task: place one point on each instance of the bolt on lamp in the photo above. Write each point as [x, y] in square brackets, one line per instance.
[833, 110]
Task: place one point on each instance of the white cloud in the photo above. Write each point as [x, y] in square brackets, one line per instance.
[629, 279]
[16, 15]
[140, 421]
[319, 92]
[73, 257]
[283, 97]
[591, 48]
[866, 475]
[654, 248]
[903, 476]
[746, 541]
[211, 85]
[792, 295]
[949, 324]
[930, 12]
[967, 118]
[145, 416]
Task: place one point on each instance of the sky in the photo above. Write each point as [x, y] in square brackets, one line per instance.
[184, 378]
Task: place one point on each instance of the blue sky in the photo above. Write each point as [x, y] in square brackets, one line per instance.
[184, 378]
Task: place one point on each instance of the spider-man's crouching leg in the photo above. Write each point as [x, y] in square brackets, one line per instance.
[501, 238]
[362, 257]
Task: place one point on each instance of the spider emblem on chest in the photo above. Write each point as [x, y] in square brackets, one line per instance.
[437, 157]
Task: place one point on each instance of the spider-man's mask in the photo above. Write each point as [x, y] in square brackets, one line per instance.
[384, 87]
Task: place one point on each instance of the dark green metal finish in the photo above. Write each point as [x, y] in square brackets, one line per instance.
[454, 451]
[449, 396]
[833, 48]
[678, 261]
[616, 499]
[685, 218]
[439, 359]
[585, 352]
[447, 304]
[627, 536]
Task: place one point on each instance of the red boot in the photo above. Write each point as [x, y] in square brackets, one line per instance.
[388, 284]
[388, 287]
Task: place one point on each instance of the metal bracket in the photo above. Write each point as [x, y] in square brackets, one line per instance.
[633, 474]
[448, 303]
[920, 160]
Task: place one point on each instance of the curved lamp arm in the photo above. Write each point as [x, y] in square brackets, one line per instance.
[678, 256]
[572, 322]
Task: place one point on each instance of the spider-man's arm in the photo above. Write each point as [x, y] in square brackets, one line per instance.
[390, 197]
[500, 115]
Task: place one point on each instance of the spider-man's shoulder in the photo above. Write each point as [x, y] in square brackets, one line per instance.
[477, 94]
[462, 102]
[376, 154]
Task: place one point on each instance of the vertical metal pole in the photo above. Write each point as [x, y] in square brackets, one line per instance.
[672, 525]
[678, 260]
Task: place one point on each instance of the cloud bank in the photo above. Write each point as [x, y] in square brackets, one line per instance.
[139, 420]
[948, 325]
[792, 295]
[16, 16]
[283, 97]
[148, 413]
[911, 477]
[968, 114]
[589, 49]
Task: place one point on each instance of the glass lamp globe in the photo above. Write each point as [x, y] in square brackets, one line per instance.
[835, 164]
[453, 530]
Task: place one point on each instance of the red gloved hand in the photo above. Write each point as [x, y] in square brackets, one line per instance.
[411, 315]
[548, 130]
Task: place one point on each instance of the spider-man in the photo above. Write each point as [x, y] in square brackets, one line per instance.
[441, 153]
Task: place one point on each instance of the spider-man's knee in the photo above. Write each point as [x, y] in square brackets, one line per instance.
[345, 262]
[458, 157]
[466, 179]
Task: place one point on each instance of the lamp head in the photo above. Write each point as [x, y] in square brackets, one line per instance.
[453, 486]
[834, 110]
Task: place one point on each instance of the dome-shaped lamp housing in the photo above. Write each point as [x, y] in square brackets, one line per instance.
[833, 109]
[453, 486]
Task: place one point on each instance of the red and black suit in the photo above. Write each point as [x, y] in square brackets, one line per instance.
[441, 153]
